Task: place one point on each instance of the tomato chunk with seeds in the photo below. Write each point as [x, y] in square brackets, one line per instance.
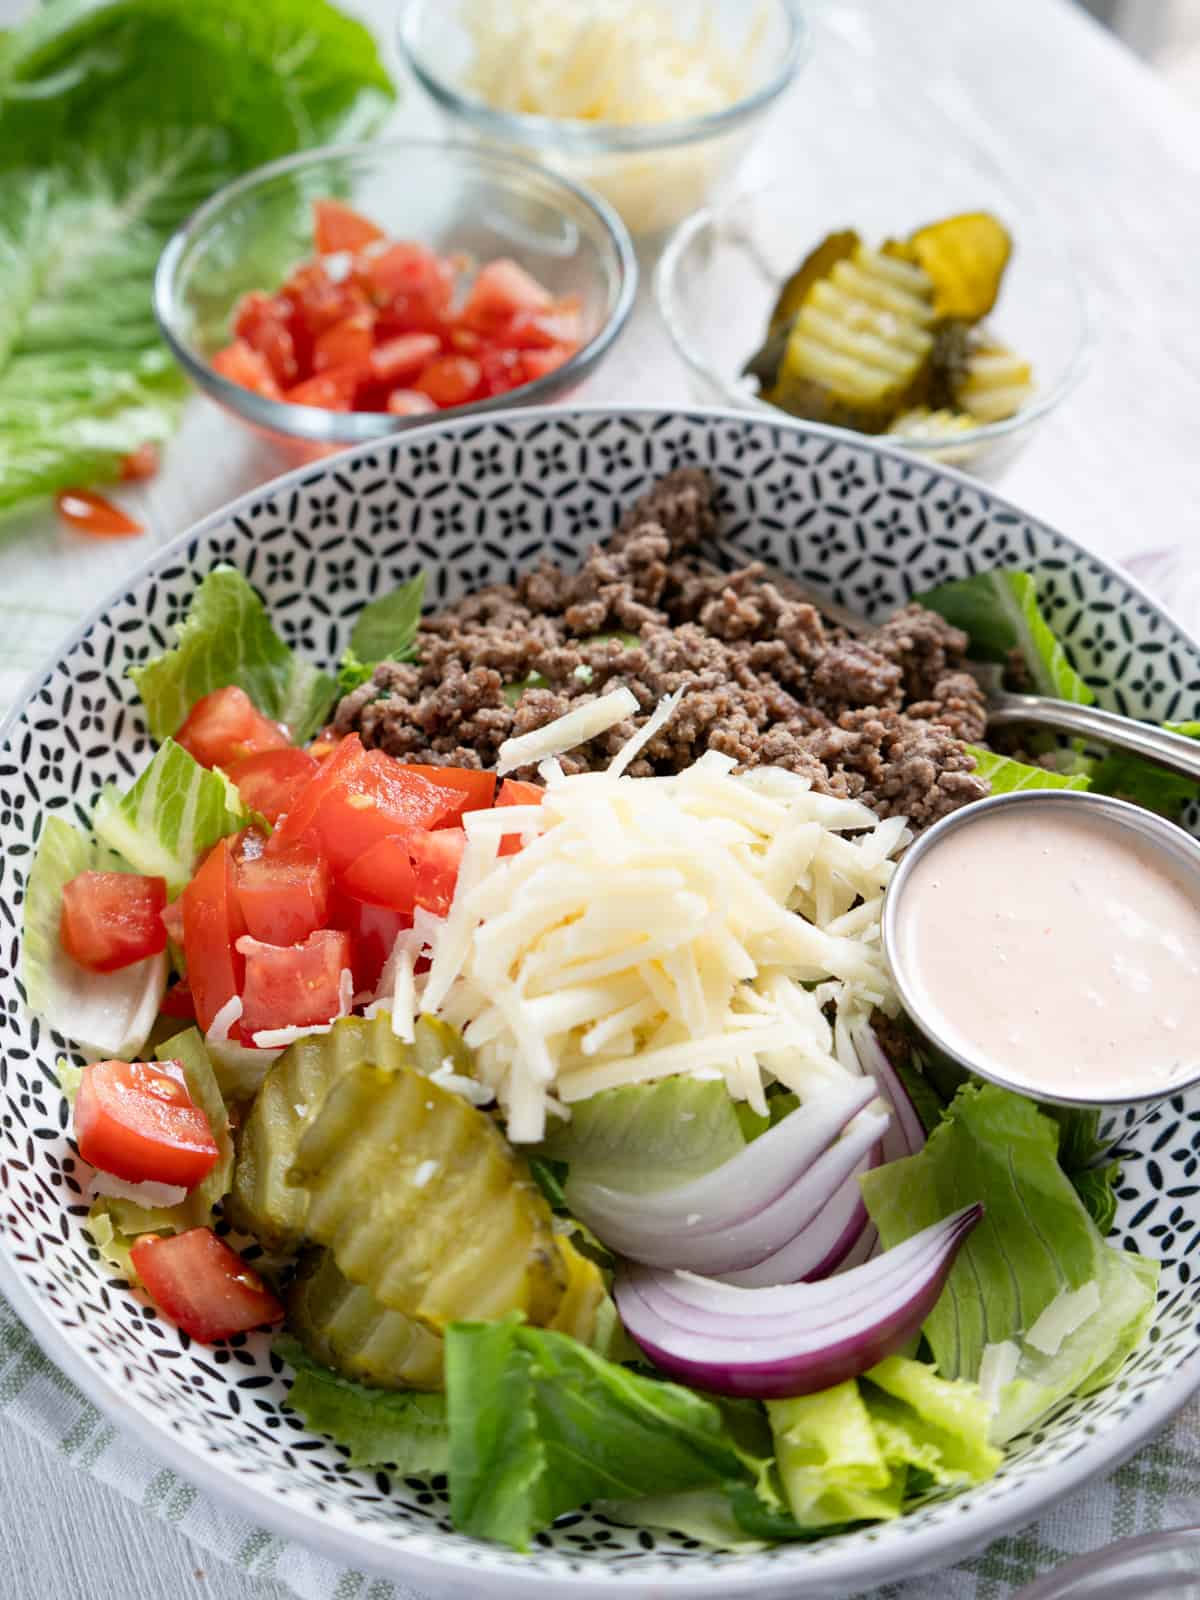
[242, 364]
[284, 897]
[270, 780]
[296, 985]
[436, 858]
[383, 876]
[137, 1121]
[501, 289]
[110, 920]
[203, 1286]
[337, 226]
[212, 926]
[226, 726]
[377, 797]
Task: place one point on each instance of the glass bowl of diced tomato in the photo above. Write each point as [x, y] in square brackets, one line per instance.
[345, 293]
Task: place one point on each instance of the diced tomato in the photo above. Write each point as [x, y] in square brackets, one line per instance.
[137, 1121]
[331, 391]
[270, 780]
[409, 403]
[203, 1286]
[331, 772]
[338, 227]
[251, 842]
[225, 727]
[515, 793]
[94, 515]
[410, 283]
[501, 289]
[212, 925]
[562, 323]
[323, 747]
[178, 1002]
[140, 463]
[377, 797]
[537, 363]
[264, 322]
[242, 364]
[383, 876]
[450, 380]
[347, 343]
[479, 787]
[284, 897]
[112, 919]
[372, 931]
[500, 370]
[293, 986]
[317, 301]
[465, 340]
[436, 858]
[401, 359]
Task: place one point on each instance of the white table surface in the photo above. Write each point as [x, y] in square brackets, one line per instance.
[1072, 114]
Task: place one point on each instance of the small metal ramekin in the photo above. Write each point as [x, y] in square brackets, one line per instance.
[1118, 1113]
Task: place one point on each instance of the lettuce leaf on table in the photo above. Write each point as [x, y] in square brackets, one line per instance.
[1036, 1242]
[117, 119]
[226, 640]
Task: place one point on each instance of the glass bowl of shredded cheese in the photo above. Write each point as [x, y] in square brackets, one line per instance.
[650, 102]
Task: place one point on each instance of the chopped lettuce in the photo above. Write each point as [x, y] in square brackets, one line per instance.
[117, 118]
[174, 814]
[386, 629]
[109, 1015]
[648, 1135]
[706, 1515]
[377, 1427]
[1006, 776]
[831, 1463]
[227, 639]
[998, 611]
[1036, 1241]
[1129, 778]
[540, 1425]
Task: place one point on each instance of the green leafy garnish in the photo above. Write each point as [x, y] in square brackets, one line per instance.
[109, 1018]
[117, 119]
[539, 1425]
[998, 611]
[227, 639]
[1036, 1242]
[173, 815]
[1153, 787]
[386, 629]
[378, 1427]
[1006, 776]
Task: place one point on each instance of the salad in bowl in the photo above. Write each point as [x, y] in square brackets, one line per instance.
[496, 1018]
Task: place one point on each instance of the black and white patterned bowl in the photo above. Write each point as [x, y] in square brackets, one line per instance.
[472, 501]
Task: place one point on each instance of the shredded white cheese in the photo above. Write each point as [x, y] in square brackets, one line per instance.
[653, 926]
[997, 1369]
[585, 722]
[1065, 1313]
[152, 1195]
[230, 1012]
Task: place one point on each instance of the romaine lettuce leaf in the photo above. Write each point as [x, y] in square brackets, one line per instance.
[378, 1427]
[117, 118]
[174, 814]
[704, 1514]
[1131, 779]
[998, 611]
[648, 1135]
[227, 639]
[539, 1425]
[109, 1014]
[1006, 776]
[831, 1464]
[1036, 1239]
[938, 1426]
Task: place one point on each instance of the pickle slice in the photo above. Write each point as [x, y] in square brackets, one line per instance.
[922, 423]
[342, 1324]
[818, 263]
[421, 1199]
[965, 256]
[997, 382]
[584, 1294]
[263, 1202]
[859, 347]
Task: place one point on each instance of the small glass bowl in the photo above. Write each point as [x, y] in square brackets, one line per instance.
[455, 198]
[653, 174]
[720, 273]
[1154, 1566]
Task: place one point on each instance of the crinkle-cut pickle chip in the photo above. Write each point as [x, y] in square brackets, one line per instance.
[420, 1198]
[585, 1291]
[859, 346]
[965, 256]
[343, 1325]
[818, 263]
[263, 1202]
[922, 423]
[996, 384]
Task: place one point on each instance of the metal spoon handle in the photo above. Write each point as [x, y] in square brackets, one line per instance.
[1174, 751]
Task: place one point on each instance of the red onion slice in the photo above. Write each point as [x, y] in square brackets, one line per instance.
[770, 1344]
[907, 1134]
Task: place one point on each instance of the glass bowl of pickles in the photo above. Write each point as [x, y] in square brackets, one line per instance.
[935, 310]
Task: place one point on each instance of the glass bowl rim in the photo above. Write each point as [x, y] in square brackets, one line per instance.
[1094, 1563]
[666, 300]
[315, 423]
[580, 136]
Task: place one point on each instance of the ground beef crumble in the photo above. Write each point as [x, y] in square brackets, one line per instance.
[766, 679]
